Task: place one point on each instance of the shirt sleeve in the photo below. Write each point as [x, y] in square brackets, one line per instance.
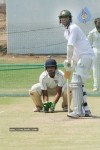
[42, 83]
[72, 36]
[61, 80]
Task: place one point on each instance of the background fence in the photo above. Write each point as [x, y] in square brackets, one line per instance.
[41, 38]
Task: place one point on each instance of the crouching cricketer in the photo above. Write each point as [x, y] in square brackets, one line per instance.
[51, 83]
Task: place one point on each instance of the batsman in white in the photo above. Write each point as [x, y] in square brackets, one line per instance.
[51, 83]
[94, 39]
[80, 56]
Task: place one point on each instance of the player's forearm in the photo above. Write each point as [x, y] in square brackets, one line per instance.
[56, 98]
[70, 50]
[45, 98]
[45, 95]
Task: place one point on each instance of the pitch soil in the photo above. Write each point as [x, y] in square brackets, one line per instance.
[56, 130]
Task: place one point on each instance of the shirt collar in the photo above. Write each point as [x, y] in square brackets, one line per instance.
[67, 27]
[95, 30]
[55, 74]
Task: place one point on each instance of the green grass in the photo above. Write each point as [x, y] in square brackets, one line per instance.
[23, 78]
[20, 81]
[19, 77]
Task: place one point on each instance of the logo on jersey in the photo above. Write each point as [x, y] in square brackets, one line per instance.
[84, 15]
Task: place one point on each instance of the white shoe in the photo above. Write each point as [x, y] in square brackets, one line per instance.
[37, 109]
[74, 115]
[88, 113]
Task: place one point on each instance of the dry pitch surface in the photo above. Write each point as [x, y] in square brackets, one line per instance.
[56, 130]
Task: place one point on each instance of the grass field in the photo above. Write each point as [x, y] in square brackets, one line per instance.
[56, 130]
[19, 73]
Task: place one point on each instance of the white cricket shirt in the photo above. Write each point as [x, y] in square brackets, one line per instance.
[75, 36]
[94, 38]
[47, 82]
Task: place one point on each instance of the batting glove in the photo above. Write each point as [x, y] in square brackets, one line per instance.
[67, 65]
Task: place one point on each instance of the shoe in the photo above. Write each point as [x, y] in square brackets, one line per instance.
[37, 109]
[74, 115]
[88, 113]
[52, 107]
[65, 108]
[95, 89]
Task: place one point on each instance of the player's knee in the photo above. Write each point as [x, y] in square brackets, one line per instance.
[31, 92]
[33, 89]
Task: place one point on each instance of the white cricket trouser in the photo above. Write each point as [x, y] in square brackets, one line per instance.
[84, 66]
[96, 68]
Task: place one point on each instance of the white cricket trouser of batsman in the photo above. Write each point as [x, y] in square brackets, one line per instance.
[82, 73]
[96, 68]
